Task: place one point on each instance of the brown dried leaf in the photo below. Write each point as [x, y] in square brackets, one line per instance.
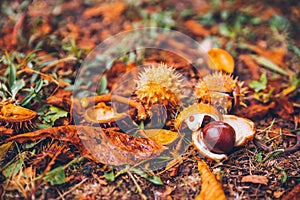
[45, 27]
[107, 146]
[294, 194]
[255, 179]
[275, 55]
[168, 191]
[211, 188]
[251, 64]
[284, 109]
[256, 111]
[61, 98]
[196, 28]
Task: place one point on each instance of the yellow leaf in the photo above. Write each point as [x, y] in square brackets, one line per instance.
[161, 136]
[211, 188]
[288, 90]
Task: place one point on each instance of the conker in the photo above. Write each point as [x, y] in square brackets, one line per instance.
[219, 137]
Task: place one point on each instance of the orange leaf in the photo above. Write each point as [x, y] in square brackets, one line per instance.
[109, 11]
[277, 194]
[211, 188]
[196, 28]
[255, 179]
[220, 60]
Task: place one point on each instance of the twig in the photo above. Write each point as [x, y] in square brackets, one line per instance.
[53, 64]
[48, 168]
[296, 147]
[44, 76]
[137, 186]
[17, 27]
[73, 188]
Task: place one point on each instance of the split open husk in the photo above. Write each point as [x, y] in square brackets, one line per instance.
[102, 114]
[244, 130]
[194, 115]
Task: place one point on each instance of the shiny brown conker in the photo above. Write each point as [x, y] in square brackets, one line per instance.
[219, 137]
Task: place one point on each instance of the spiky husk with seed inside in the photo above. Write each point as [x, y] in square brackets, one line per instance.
[160, 85]
[16, 117]
[222, 91]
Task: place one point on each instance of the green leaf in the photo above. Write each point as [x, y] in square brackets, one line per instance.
[13, 168]
[153, 179]
[38, 86]
[16, 87]
[12, 74]
[264, 97]
[54, 114]
[225, 14]
[272, 154]
[4, 148]
[56, 176]
[260, 84]
[269, 64]
[142, 125]
[30, 145]
[102, 86]
[187, 13]
[279, 22]
[41, 126]
[256, 20]
[4, 88]
[207, 19]
[259, 157]
[29, 97]
[225, 30]
[295, 49]
[2, 95]
[284, 176]
[110, 176]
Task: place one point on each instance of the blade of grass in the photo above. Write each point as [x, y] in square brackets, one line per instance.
[269, 64]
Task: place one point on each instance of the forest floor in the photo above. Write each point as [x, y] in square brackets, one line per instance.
[43, 45]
